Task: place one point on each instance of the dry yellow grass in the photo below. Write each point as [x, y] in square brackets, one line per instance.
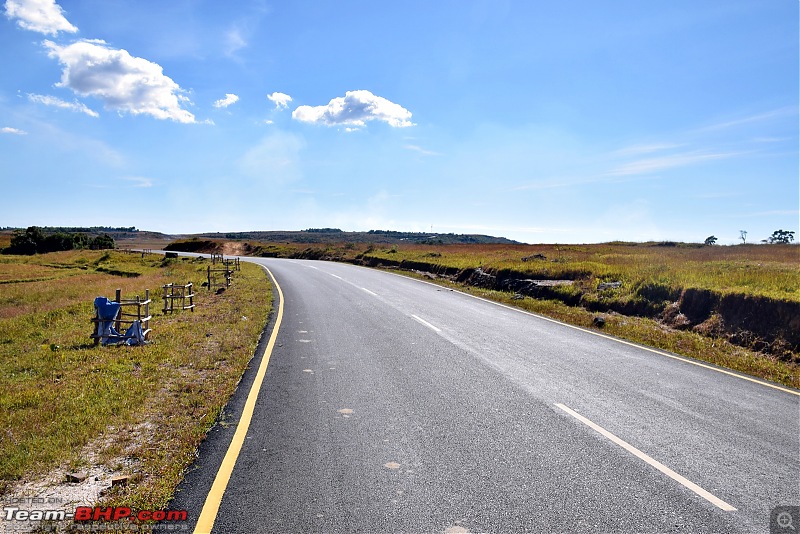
[764, 270]
[59, 392]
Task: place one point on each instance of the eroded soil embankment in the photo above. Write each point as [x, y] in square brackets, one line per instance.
[758, 323]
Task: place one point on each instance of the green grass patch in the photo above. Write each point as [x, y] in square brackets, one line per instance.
[151, 405]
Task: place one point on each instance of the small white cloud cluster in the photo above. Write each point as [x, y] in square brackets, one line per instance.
[281, 100]
[227, 101]
[129, 84]
[12, 131]
[43, 16]
[356, 108]
[123, 82]
[58, 103]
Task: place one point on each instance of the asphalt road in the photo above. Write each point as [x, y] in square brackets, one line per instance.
[392, 405]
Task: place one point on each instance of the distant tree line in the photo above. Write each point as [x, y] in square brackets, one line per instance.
[781, 236]
[395, 232]
[323, 230]
[81, 229]
[778, 237]
[34, 241]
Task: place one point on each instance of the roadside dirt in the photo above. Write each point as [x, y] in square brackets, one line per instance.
[55, 491]
[233, 248]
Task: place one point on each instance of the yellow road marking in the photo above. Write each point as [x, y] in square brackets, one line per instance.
[214, 498]
[716, 501]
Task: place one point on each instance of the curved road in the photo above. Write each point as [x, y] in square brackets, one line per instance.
[392, 405]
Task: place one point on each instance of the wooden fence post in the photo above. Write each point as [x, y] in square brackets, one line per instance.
[118, 298]
[146, 310]
[166, 298]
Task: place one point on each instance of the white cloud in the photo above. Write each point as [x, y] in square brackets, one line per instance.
[58, 103]
[13, 131]
[646, 149]
[423, 151]
[649, 165]
[275, 159]
[227, 101]
[788, 111]
[355, 109]
[43, 16]
[139, 181]
[123, 82]
[234, 41]
[281, 100]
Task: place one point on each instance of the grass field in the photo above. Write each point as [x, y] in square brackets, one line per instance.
[142, 410]
[764, 270]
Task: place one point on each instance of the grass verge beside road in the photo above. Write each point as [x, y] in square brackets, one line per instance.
[66, 404]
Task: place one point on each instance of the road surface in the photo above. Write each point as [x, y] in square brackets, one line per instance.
[391, 405]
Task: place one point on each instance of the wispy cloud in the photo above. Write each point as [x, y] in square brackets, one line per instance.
[766, 140]
[242, 31]
[229, 99]
[275, 159]
[97, 151]
[42, 16]
[576, 181]
[421, 150]
[234, 41]
[139, 181]
[13, 131]
[646, 149]
[717, 195]
[554, 183]
[632, 163]
[58, 103]
[787, 111]
[651, 165]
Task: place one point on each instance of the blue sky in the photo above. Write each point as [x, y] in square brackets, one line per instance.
[545, 122]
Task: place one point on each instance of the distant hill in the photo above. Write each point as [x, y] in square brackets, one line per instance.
[117, 232]
[334, 235]
[131, 237]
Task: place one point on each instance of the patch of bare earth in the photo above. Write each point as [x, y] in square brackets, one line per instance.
[233, 248]
[68, 487]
